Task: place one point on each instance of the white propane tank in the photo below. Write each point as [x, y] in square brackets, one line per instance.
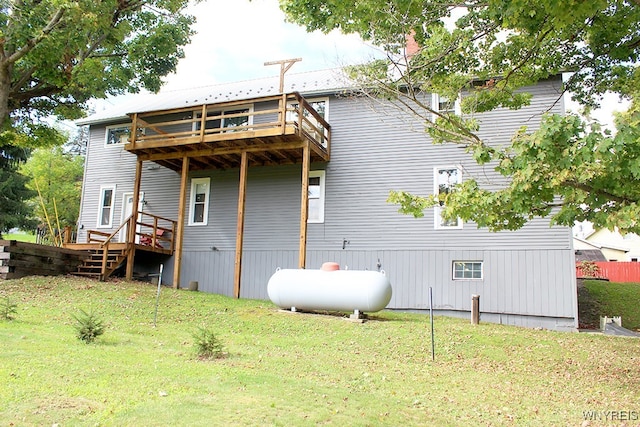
[332, 290]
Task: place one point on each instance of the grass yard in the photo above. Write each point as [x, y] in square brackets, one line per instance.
[286, 369]
[20, 237]
[616, 299]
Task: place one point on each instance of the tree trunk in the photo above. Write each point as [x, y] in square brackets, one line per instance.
[5, 88]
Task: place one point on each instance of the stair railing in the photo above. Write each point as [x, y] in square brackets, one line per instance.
[157, 238]
[104, 246]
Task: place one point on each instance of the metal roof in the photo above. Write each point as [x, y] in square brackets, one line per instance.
[307, 83]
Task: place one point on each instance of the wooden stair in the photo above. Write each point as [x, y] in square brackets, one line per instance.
[93, 265]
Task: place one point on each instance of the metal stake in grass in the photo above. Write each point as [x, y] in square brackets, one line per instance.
[155, 315]
[433, 345]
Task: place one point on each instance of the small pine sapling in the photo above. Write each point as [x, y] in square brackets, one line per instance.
[88, 326]
[8, 309]
[207, 344]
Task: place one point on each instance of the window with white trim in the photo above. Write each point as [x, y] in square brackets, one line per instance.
[222, 121]
[316, 196]
[444, 105]
[105, 209]
[117, 135]
[199, 201]
[445, 179]
[467, 270]
[321, 105]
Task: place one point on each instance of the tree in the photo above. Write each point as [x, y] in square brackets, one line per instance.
[56, 179]
[55, 55]
[570, 168]
[13, 212]
[78, 143]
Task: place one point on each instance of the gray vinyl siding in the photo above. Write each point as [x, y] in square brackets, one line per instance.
[104, 166]
[371, 155]
[521, 282]
[528, 273]
[113, 165]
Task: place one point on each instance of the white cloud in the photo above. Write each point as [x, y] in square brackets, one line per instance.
[234, 38]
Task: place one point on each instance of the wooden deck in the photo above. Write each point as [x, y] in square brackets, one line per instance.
[262, 131]
[151, 233]
[214, 136]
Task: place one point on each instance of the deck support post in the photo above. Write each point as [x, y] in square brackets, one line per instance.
[304, 206]
[182, 207]
[242, 188]
[131, 227]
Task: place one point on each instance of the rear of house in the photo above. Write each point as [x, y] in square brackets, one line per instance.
[524, 277]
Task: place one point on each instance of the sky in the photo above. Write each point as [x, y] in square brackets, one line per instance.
[234, 38]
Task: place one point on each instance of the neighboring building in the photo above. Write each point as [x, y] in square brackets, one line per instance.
[615, 246]
[242, 179]
[586, 251]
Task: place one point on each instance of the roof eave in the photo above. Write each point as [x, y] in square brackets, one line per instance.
[106, 120]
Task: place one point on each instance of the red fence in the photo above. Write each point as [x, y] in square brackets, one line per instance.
[614, 271]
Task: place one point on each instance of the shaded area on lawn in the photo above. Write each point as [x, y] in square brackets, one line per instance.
[598, 298]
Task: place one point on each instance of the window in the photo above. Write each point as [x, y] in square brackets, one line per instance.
[316, 197]
[105, 210]
[199, 201]
[321, 105]
[225, 120]
[446, 180]
[467, 270]
[444, 105]
[117, 134]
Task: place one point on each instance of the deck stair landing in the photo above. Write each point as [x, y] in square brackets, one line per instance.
[92, 265]
[152, 234]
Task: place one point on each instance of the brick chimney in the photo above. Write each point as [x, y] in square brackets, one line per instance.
[411, 46]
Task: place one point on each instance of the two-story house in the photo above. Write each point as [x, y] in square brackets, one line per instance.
[236, 180]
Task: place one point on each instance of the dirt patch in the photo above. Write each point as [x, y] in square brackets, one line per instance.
[589, 309]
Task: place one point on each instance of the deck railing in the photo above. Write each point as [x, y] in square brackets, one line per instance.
[96, 236]
[227, 121]
[151, 230]
[155, 231]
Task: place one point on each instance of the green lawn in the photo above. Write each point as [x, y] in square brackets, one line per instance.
[288, 369]
[21, 237]
[616, 299]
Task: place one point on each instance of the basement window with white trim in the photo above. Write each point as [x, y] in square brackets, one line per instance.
[468, 270]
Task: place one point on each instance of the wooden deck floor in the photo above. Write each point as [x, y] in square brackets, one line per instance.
[116, 246]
